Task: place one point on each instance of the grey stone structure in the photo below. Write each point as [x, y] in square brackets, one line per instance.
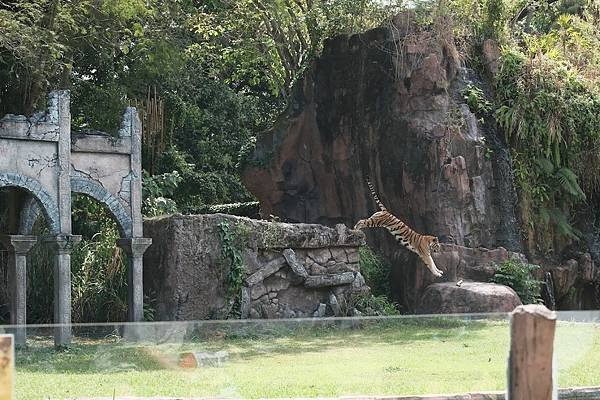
[286, 270]
[42, 157]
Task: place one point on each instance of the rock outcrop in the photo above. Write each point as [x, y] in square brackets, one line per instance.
[573, 282]
[387, 104]
[287, 270]
[469, 297]
[475, 264]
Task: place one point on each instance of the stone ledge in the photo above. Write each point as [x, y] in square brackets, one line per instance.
[280, 235]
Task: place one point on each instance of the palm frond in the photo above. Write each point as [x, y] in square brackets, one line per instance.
[569, 182]
[546, 166]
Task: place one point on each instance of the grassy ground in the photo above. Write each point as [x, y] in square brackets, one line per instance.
[394, 358]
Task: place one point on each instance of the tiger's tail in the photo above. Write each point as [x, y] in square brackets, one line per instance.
[374, 194]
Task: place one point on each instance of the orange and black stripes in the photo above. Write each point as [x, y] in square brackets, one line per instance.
[374, 194]
[420, 244]
[402, 232]
[423, 245]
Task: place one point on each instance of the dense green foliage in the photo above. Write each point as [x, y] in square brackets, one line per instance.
[375, 271]
[158, 191]
[545, 100]
[99, 285]
[99, 270]
[519, 276]
[248, 209]
[548, 110]
[377, 276]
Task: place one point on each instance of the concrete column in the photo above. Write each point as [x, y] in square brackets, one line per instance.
[131, 127]
[135, 248]
[62, 246]
[62, 99]
[18, 246]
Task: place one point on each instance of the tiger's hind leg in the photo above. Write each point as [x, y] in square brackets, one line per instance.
[431, 265]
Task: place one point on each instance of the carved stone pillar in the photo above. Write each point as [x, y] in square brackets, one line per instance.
[62, 246]
[135, 248]
[18, 247]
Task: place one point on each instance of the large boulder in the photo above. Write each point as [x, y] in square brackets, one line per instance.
[469, 297]
[572, 282]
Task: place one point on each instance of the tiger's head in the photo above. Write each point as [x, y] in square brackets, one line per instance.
[434, 244]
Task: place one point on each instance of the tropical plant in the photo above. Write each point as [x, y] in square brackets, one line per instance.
[519, 276]
[368, 304]
[377, 276]
[476, 100]
[547, 110]
[157, 193]
[375, 271]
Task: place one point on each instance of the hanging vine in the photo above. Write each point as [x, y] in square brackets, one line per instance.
[231, 254]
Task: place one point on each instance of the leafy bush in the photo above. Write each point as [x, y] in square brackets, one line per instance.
[518, 275]
[377, 276]
[248, 209]
[99, 267]
[375, 271]
[368, 304]
[476, 100]
[99, 277]
[157, 193]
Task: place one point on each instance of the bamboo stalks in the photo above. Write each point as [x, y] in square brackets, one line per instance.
[152, 115]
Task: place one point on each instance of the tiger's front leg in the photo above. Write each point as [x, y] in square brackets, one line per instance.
[431, 265]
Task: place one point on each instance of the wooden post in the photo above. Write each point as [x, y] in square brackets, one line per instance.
[7, 367]
[530, 369]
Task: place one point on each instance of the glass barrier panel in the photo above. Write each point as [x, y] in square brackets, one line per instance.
[328, 357]
[577, 349]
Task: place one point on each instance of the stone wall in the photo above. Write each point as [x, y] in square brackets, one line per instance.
[289, 270]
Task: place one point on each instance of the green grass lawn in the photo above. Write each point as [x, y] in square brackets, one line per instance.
[399, 357]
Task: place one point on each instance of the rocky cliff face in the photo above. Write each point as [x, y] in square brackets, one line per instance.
[387, 104]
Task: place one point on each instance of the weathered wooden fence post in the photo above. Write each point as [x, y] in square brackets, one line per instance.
[7, 367]
[530, 364]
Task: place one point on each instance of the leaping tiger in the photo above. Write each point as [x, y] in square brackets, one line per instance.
[423, 245]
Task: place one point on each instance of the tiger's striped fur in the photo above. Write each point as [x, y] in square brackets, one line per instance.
[374, 194]
[422, 245]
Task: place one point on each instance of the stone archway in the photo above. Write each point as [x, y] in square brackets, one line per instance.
[29, 215]
[38, 196]
[100, 194]
[104, 167]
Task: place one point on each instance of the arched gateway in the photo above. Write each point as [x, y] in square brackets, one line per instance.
[40, 156]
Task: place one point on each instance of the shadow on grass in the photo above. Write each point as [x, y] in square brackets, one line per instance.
[244, 342]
